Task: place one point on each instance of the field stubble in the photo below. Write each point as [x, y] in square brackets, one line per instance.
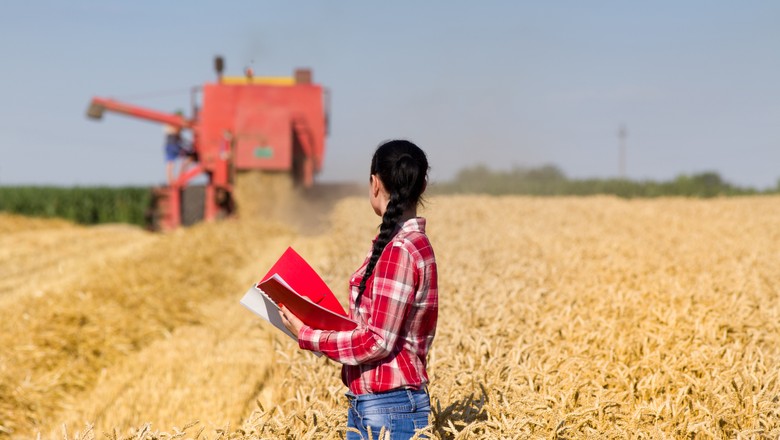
[560, 318]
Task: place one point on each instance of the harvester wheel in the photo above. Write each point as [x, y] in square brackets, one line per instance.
[193, 202]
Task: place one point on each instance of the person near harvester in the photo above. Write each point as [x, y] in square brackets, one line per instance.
[394, 299]
[176, 147]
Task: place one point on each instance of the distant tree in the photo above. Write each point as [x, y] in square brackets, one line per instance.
[710, 179]
[474, 173]
[546, 173]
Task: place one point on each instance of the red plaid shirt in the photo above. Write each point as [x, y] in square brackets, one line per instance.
[396, 319]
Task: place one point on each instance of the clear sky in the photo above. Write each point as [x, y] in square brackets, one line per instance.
[502, 83]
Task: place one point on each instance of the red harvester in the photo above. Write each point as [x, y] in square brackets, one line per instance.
[275, 124]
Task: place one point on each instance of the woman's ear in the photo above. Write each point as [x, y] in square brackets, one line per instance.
[375, 185]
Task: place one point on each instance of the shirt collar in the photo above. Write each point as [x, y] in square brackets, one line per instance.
[416, 224]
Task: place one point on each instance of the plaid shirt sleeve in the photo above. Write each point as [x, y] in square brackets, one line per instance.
[392, 296]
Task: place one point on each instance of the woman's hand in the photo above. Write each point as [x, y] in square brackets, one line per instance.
[290, 321]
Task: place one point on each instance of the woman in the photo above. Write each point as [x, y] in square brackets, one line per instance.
[394, 300]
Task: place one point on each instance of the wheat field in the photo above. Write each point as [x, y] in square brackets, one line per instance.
[560, 318]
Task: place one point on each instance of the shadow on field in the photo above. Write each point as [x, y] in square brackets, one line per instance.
[460, 413]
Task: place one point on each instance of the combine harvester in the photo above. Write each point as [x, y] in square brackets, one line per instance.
[256, 124]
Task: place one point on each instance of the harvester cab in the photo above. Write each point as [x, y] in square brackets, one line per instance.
[247, 123]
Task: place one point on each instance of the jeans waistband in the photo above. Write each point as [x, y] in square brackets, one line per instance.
[370, 396]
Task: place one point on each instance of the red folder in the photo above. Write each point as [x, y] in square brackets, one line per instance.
[292, 281]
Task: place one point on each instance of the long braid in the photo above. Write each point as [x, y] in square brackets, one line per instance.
[392, 215]
[402, 168]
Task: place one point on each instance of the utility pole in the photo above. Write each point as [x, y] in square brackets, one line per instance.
[622, 135]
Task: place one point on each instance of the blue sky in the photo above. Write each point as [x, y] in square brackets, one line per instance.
[499, 83]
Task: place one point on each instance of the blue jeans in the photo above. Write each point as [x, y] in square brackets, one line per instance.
[400, 412]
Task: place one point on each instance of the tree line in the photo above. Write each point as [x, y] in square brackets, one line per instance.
[549, 180]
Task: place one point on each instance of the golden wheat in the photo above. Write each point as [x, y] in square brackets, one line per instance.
[560, 318]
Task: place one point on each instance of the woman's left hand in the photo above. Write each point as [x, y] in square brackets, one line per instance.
[290, 321]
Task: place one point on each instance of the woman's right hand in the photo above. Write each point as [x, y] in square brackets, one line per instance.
[290, 321]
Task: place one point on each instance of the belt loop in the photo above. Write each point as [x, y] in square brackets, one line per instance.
[411, 399]
[351, 400]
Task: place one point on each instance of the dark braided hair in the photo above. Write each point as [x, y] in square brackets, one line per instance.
[403, 169]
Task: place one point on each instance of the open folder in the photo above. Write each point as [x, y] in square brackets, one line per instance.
[292, 281]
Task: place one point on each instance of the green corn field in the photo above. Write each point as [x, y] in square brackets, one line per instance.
[85, 205]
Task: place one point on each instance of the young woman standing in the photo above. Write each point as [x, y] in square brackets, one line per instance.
[394, 299]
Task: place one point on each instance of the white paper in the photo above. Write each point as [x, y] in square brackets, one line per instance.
[260, 304]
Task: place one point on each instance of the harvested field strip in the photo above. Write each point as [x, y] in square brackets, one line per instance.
[58, 343]
[31, 261]
[214, 371]
[15, 223]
